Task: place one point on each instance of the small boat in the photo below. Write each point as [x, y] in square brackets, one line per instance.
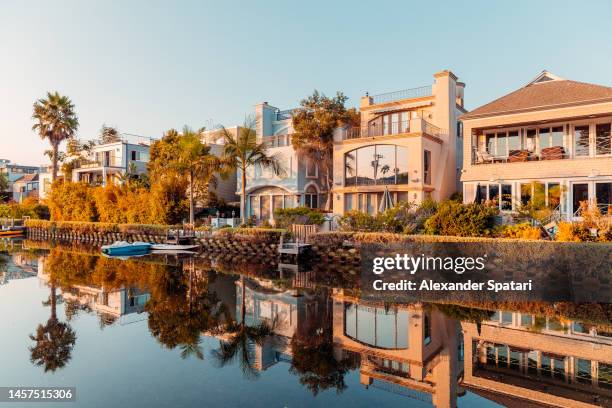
[126, 248]
[173, 247]
[11, 231]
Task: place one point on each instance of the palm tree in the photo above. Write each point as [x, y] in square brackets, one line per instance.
[56, 121]
[199, 163]
[242, 152]
[241, 337]
[53, 341]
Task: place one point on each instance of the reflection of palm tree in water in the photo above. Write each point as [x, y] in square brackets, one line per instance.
[241, 338]
[54, 340]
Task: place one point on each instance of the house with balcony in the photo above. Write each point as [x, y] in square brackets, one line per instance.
[301, 182]
[549, 141]
[407, 143]
[108, 161]
[520, 358]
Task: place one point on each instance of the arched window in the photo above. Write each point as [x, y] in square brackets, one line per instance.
[376, 165]
[311, 197]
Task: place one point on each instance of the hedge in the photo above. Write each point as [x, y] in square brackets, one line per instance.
[80, 227]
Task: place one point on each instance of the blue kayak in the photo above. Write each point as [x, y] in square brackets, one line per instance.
[126, 248]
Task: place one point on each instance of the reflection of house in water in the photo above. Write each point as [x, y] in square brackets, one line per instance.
[110, 304]
[19, 266]
[288, 312]
[544, 360]
[406, 349]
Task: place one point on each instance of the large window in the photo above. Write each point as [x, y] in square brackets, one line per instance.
[581, 140]
[311, 198]
[580, 192]
[603, 195]
[602, 138]
[377, 327]
[390, 124]
[376, 165]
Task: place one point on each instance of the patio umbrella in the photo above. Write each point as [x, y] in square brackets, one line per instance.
[478, 197]
[386, 202]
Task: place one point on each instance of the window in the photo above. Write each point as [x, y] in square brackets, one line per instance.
[530, 140]
[603, 195]
[390, 124]
[583, 371]
[311, 198]
[602, 139]
[264, 207]
[581, 140]
[348, 202]
[135, 155]
[289, 201]
[277, 202]
[426, 328]
[427, 167]
[311, 169]
[376, 327]
[376, 165]
[580, 192]
[514, 140]
[506, 197]
[554, 195]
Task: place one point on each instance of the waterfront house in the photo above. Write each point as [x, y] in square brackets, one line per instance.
[408, 143]
[14, 172]
[301, 182]
[550, 138]
[25, 186]
[106, 162]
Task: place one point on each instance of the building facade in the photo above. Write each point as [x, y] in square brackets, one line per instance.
[20, 179]
[108, 161]
[225, 189]
[299, 184]
[550, 139]
[408, 143]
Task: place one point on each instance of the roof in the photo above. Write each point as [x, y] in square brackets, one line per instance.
[546, 91]
[27, 178]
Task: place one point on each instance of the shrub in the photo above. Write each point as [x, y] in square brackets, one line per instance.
[259, 235]
[464, 220]
[359, 221]
[285, 217]
[29, 208]
[523, 231]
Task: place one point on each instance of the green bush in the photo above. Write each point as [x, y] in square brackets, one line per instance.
[29, 208]
[404, 218]
[464, 220]
[359, 221]
[259, 235]
[286, 217]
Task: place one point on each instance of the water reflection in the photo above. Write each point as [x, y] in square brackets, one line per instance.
[262, 317]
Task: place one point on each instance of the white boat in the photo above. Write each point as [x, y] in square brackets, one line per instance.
[172, 247]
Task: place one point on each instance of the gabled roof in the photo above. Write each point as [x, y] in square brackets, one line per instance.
[27, 178]
[546, 91]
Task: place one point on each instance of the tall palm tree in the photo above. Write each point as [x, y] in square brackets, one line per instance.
[53, 341]
[56, 121]
[243, 151]
[198, 162]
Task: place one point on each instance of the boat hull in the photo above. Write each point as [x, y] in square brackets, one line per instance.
[127, 249]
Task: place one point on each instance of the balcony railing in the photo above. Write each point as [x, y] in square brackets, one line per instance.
[419, 92]
[395, 128]
[519, 155]
[284, 114]
[277, 140]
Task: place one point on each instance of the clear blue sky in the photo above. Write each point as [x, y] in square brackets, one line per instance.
[146, 66]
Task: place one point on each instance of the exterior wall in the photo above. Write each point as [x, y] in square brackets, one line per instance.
[567, 171]
[432, 118]
[276, 132]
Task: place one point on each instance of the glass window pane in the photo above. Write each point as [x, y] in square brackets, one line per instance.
[350, 320]
[384, 164]
[583, 371]
[402, 329]
[385, 329]
[348, 202]
[350, 168]
[506, 197]
[427, 167]
[264, 207]
[602, 138]
[544, 138]
[365, 165]
[401, 166]
[580, 192]
[289, 201]
[514, 141]
[530, 139]
[603, 194]
[502, 144]
[491, 143]
[556, 137]
[581, 140]
[494, 193]
[554, 195]
[277, 202]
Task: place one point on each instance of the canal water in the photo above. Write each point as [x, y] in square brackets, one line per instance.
[184, 331]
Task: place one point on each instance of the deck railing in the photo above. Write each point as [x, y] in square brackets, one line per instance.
[396, 128]
[277, 140]
[419, 92]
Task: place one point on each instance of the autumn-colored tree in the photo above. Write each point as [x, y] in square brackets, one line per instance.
[56, 121]
[242, 152]
[69, 201]
[314, 123]
[109, 134]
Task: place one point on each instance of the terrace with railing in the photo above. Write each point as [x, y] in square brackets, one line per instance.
[277, 140]
[411, 93]
[284, 114]
[123, 138]
[395, 128]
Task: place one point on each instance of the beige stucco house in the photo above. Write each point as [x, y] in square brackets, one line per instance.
[407, 143]
[552, 138]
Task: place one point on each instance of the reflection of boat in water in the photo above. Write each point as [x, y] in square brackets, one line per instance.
[174, 248]
[12, 231]
[126, 248]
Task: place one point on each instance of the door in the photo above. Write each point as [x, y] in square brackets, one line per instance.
[580, 192]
